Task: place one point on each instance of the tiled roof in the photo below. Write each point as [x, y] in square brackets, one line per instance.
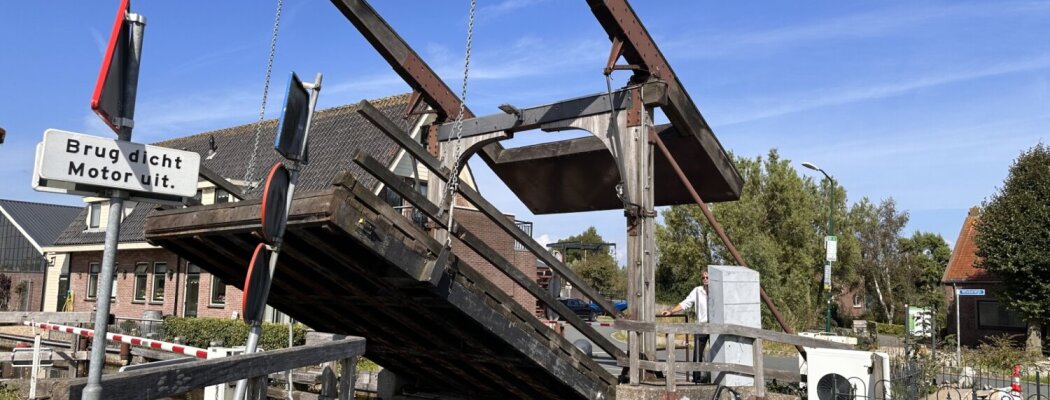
[42, 222]
[335, 135]
[961, 266]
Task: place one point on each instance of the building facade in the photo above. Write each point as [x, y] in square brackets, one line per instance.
[979, 316]
[25, 229]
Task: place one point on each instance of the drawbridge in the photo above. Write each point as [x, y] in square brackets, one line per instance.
[352, 264]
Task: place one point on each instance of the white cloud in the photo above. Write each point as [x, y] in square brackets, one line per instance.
[545, 239]
[504, 7]
[866, 25]
[796, 102]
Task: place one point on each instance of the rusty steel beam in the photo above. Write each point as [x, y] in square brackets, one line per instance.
[630, 38]
[402, 58]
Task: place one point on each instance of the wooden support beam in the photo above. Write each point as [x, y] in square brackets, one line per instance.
[416, 150]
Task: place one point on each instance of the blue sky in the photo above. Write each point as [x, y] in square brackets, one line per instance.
[925, 102]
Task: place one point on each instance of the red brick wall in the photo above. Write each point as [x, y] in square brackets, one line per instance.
[845, 303]
[502, 243]
[124, 305]
[34, 290]
[972, 333]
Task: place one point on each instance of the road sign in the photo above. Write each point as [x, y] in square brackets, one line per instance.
[106, 163]
[257, 284]
[971, 292]
[292, 131]
[108, 99]
[832, 244]
[275, 203]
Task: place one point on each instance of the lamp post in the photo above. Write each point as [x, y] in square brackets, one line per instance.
[830, 238]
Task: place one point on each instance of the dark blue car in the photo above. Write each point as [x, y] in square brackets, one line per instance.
[581, 308]
[620, 305]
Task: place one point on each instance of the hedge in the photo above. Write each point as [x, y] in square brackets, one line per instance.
[201, 332]
[891, 329]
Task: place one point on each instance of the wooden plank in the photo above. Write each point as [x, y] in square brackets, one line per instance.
[182, 378]
[557, 366]
[65, 318]
[493, 257]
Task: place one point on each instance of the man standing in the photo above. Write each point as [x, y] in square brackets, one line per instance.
[697, 299]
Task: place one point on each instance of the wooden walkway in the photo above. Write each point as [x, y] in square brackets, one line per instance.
[351, 265]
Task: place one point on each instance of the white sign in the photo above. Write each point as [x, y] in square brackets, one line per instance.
[832, 244]
[96, 161]
[827, 276]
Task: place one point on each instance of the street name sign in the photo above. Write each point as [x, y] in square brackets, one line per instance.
[971, 292]
[93, 161]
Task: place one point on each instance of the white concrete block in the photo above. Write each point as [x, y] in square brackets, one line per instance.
[733, 299]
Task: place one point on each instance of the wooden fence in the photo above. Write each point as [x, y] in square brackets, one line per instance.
[670, 367]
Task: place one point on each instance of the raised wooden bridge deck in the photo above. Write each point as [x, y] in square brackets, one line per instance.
[350, 264]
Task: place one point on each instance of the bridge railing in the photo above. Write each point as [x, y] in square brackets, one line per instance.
[670, 367]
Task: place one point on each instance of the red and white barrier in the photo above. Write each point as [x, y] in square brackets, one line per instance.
[132, 340]
[559, 322]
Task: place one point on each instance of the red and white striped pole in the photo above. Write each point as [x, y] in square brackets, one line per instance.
[132, 340]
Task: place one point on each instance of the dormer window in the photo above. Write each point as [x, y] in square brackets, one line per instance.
[94, 217]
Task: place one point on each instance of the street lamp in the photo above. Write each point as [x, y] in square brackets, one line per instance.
[827, 241]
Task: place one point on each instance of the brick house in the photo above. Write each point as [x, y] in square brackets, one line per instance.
[25, 229]
[154, 281]
[979, 316]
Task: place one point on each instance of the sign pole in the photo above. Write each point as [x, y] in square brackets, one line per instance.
[93, 389]
[958, 330]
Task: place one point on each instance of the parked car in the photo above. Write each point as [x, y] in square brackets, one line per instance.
[581, 308]
[620, 305]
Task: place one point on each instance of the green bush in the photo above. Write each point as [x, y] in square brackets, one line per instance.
[200, 332]
[999, 352]
[891, 329]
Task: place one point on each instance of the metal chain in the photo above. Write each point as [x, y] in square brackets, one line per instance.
[250, 172]
[453, 182]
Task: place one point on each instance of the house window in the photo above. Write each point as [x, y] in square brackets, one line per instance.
[221, 196]
[992, 314]
[858, 300]
[92, 289]
[159, 270]
[94, 215]
[218, 292]
[141, 270]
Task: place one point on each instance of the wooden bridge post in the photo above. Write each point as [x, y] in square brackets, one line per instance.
[347, 378]
[669, 375]
[760, 374]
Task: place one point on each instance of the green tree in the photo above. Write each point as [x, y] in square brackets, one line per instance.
[778, 225]
[1013, 238]
[589, 258]
[925, 255]
[877, 229]
[683, 242]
